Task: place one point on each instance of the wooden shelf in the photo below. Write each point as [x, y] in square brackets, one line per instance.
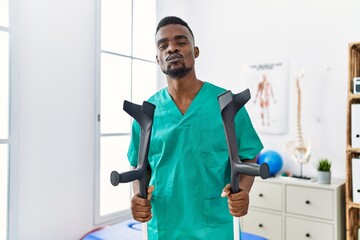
[353, 205]
[352, 150]
[352, 96]
[352, 209]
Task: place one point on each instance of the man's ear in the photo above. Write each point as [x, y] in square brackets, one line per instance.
[197, 52]
[157, 59]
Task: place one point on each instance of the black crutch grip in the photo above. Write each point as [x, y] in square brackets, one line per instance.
[124, 177]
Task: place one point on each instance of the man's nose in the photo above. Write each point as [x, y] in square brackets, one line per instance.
[173, 48]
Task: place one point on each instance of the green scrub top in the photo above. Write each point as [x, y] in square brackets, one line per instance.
[188, 156]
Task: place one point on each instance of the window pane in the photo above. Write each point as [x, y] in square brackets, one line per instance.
[4, 85]
[116, 26]
[144, 80]
[113, 158]
[4, 13]
[115, 88]
[3, 190]
[144, 29]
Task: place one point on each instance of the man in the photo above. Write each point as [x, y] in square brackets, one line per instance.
[188, 153]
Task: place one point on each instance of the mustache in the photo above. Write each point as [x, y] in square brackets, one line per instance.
[172, 56]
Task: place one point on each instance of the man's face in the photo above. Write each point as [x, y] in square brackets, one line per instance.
[176, 52]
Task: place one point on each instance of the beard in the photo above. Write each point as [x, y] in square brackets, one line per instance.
[177, 73]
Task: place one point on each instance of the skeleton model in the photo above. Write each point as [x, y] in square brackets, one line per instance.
[298, 149]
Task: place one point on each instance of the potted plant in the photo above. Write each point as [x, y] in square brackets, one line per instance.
[324, 171]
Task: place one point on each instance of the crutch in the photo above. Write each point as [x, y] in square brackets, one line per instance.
[144, 115]
[230, 104]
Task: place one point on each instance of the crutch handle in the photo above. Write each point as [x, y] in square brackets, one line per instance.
[250, 169]
[124, 177]
[230, 104]
[144, 115]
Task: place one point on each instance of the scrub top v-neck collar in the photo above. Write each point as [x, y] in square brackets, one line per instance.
[195, 103]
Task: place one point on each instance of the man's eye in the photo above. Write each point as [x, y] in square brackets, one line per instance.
[164, 46]
[181, 43]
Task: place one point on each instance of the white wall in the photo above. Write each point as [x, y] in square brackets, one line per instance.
[52, 194]
[310, 35]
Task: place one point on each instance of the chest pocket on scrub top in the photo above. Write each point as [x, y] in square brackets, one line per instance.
[214, 152]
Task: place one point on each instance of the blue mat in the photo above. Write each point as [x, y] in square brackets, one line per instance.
[131, 230]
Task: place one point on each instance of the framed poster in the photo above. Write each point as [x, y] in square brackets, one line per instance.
[269, 88]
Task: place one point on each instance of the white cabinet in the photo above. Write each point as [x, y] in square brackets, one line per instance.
[289, 209]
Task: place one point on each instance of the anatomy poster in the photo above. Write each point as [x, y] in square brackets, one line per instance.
[269, 87]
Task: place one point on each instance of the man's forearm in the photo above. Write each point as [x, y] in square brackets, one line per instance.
[247, 181]
[135, 186]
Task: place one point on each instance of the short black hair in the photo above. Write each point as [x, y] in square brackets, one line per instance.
[173, 20]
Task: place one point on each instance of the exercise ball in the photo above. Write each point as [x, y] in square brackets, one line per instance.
[273, 159]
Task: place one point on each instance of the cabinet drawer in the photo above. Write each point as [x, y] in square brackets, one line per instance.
[356, 180]
[312, 202]
[299, 229]
[263, 224]
[266, 195]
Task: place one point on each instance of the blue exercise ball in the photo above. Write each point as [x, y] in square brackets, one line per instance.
[273, 159]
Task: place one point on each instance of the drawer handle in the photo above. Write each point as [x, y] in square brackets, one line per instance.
[307, 202]
[307, 235]
[358, 190]
[260, 225]
[261, 195]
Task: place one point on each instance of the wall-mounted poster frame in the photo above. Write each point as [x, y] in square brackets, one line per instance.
[269, 87]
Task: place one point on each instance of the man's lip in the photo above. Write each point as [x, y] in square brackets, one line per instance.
[173, 57]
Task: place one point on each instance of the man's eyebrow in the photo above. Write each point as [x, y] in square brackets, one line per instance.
[162, 40]
[177, 37]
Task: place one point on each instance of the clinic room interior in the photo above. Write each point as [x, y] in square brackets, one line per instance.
[66, 68]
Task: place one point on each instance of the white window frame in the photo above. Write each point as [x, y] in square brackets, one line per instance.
[120, 215]
[4, 230]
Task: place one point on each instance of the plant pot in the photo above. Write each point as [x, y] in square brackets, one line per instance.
[324, 177]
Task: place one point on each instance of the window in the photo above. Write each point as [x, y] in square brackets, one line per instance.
[126, 70]
[4, 115]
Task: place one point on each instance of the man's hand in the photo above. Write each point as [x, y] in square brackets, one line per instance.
[141, 208]
[238, 202]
